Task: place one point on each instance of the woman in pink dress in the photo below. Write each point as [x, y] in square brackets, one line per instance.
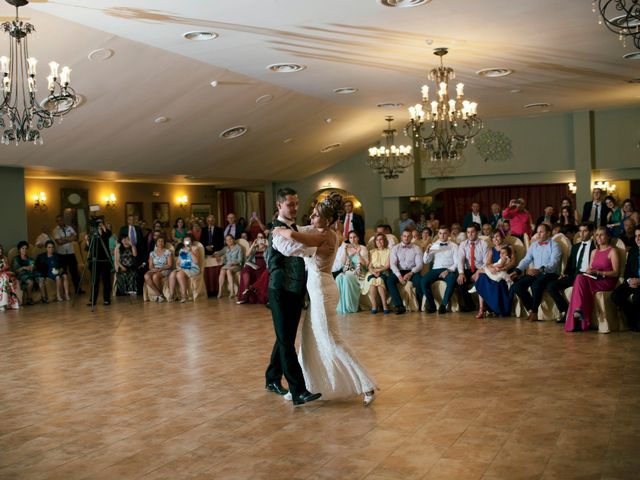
[601, 276]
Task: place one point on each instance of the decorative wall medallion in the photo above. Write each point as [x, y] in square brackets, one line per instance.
[494, 146]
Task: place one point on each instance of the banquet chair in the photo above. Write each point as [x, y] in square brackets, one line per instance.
[605, 313]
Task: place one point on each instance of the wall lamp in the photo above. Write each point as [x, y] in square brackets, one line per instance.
[183, 201]
[110, 201]
[40, 202]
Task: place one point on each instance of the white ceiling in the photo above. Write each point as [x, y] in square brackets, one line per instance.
[558, 52]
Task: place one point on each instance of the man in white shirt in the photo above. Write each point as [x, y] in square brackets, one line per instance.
[64, 236]
[577, 263]
[443, 254]
[596, 210]
[472, 254]
[351, 221]
[405, 261]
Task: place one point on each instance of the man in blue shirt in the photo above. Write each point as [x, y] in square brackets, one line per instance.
[540, 266]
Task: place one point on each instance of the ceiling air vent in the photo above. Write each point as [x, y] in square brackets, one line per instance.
[233, 132]
[286, 67]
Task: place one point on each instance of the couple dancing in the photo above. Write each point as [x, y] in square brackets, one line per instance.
[325, 364]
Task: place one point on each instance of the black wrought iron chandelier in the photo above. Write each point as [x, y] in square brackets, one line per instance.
[22, 117]
[444, 127]
[390, 160]
[622, 17]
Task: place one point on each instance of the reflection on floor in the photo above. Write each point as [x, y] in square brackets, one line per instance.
[170, 391]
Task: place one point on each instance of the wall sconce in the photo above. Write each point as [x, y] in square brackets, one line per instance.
[573, 188]
[110, 202]
[40, 202]
[183, 201]
[605, 186]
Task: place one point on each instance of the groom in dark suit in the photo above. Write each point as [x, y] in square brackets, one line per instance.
[286, 296]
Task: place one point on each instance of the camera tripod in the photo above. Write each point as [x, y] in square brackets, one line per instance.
[95, 242]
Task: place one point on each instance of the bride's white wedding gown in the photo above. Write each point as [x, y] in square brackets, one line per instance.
[328, 364]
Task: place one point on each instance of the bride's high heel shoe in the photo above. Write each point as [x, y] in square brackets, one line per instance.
[369, 397]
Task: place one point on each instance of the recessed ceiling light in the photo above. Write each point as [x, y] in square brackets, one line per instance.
[233, 132]
[345, 90]
[389, 105]
[403, 3]
[494, 72]
[200, 36]
[161, 120]
[264, 98]
[515, 90]
[331, 147]
[538, 105]
[287, 140]
[214, 83]
[632, 56]
[286, 67]
[328, 120]
[429, 41]
[101, 54]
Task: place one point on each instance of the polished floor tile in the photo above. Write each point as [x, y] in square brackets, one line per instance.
[172, 391]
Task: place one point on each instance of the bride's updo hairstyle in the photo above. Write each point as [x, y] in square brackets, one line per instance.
[329, 207]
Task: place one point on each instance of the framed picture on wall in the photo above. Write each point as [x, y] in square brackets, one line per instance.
[200, 210]
[135, 209]
[161, 213]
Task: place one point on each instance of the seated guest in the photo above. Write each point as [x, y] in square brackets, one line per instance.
[422, 223]
[415, 238]
[474, 216]
[614, 217]
[496, 216]
[627, 295]
[566, 202]
[628, 233]
[388, 231]
[519, 216]
[556, 229]
[569, 231]
[577, 263]
[492, 287]
[406, 264]
[435, 223]
[160, 266]
[195, 231]
[244, 236]
[179, 231]
[601, 276]
[487, 231]
[187, 265]
[567, 217]
[456, 234]
[472, 253]
[252, 271]
[629, 211]
[442, 252]
[351, 282]
[126, 266]
[548, 216]
[382, 229]
[25, 269]
[49, 265]
[539, 266]
[426, 237]
[232, 262]
[8, 295]
[378, 272]
[154, 234]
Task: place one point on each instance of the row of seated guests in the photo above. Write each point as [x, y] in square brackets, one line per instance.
[492, 272]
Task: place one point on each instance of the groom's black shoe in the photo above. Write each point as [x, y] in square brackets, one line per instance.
[306, 397]
[276, 387]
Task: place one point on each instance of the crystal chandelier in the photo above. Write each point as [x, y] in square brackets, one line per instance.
[622, 17]
[389, 160]
[21, 116]
[444, 127]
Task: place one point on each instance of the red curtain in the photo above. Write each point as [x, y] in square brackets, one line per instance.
[227, 205]
[457, 201]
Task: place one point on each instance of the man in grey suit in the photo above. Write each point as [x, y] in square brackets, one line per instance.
[286, 296]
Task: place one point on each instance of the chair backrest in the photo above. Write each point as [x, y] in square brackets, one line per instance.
[622, 256]
[518, 248]
[13, 253]
[527, 241]
[246, 246]
[565, 247]
[35, 251]
[200, 248]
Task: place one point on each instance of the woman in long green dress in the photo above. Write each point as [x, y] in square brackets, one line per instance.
[351, 282]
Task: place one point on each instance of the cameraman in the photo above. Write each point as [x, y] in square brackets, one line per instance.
[103, 263]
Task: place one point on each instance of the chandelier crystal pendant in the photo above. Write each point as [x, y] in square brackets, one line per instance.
[21, 116]
[622, 17]
[443, 127]
[390, 160]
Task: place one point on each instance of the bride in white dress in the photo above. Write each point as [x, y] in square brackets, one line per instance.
[328, 364]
